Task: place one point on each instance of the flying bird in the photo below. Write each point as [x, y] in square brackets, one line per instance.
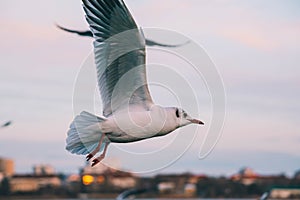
[89, 33]
[6, 124]
[129, 113]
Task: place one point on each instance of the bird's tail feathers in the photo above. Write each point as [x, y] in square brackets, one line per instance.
[84, 134]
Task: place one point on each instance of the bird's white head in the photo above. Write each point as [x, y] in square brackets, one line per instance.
[184, 119]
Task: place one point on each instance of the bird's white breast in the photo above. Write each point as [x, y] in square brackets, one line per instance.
[138, 124]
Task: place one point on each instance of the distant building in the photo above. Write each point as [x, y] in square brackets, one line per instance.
[33, 183]
[166, 187]
[73, 178]
[122, 180]
[104, 179]
[43, 170]
[285, 193]
[190, 189]
[178, 184]
[7, 167]
[246, 176]
[297, 175]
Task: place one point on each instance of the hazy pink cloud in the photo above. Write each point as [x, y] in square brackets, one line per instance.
[250, 39]
[241, 22]
[273, 37]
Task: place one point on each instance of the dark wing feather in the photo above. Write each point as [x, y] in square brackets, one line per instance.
[89, 33]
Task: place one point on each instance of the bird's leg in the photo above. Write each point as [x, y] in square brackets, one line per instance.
[101, 157]
[91, 155]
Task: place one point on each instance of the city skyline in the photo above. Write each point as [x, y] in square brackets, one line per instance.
[103, 182]
[7, 169]
[254, 45]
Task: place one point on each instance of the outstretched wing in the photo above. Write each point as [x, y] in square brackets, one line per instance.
[150, 43]
[119, 49]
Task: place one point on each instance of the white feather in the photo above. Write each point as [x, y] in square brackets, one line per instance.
[84, 134]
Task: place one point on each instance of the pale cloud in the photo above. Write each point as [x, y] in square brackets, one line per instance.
[255, 25]
[266, 38]
[15, 29]
[250, 39]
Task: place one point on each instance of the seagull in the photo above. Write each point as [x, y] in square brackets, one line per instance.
[129, 113]
[6, 124]
[89, 33]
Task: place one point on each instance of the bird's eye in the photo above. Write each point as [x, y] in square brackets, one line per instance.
[184, 115]
[177, 113]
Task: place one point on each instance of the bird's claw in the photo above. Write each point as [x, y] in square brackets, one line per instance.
[89, 157]
[95, 162]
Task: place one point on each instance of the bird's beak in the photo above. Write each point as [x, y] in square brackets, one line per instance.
[196, 121]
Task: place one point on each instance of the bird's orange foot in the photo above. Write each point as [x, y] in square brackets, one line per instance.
[95, 162]
[89, 157]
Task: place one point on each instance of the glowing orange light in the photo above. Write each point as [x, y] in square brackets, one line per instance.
[100, 179]
[87, 179]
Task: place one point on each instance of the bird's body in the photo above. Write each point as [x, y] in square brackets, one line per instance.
[125, 127]
[129, 113]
